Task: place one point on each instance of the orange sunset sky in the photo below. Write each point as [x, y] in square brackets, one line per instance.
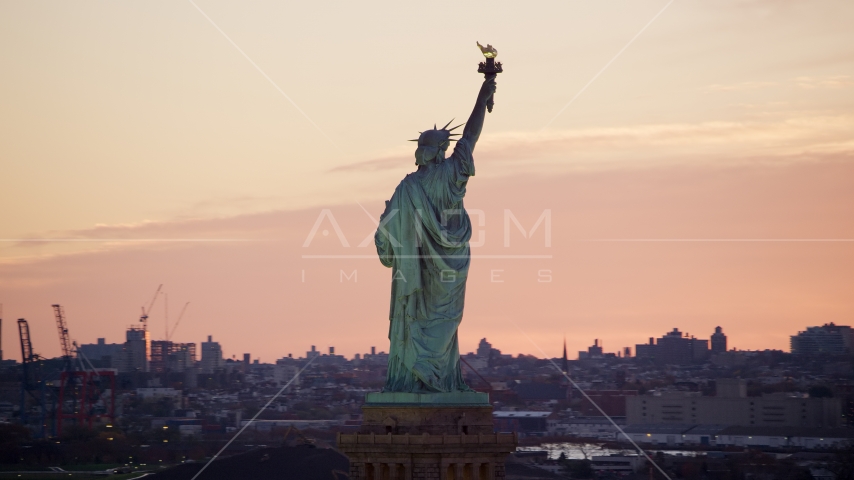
[705, 177]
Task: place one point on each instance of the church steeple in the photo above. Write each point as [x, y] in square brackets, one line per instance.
[565, 361]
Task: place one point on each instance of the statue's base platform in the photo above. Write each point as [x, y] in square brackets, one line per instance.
[449, 413]
[427, 457]
[428, 399]
[436, 436]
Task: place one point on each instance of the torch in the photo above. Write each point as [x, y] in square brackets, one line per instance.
[489, 68]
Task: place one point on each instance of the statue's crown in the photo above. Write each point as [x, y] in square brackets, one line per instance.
[437, 137]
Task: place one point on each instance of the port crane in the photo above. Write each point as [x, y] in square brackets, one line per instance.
[32, 382]
[83, 390]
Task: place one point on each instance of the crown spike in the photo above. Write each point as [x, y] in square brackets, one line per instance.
[455, 134]
[412, 140]
[458, 126]
[446, 125]
[434, 127]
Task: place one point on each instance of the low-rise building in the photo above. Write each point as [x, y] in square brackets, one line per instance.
[617, 463]
[268, 425]
[733, 407]
[151, 393]
[737, 436]
[521, 421]
[586, 427]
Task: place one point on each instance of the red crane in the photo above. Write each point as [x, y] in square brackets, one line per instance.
[84, 390]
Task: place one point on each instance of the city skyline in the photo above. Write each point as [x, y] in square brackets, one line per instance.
[841, 344]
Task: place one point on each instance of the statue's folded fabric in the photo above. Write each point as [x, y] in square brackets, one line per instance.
[423, 236]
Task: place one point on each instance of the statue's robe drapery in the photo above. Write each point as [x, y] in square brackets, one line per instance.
[423, 236]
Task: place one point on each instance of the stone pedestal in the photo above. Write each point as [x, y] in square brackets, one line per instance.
[427, 436]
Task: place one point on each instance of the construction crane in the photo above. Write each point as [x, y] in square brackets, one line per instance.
[31, 379]
[174, 327]
[68, 382]
[144, 317]
[64, 340]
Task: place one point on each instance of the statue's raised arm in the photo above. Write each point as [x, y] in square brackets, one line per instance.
[473, 127]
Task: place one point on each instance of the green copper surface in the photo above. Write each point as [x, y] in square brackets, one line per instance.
[423, 237]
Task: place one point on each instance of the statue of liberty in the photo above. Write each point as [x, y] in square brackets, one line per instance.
[423, 237]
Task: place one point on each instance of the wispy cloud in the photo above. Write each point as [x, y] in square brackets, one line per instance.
[732, 87]
[810, 83]
[145, 234]
[837, 81]
[787, 138]
[382, 163]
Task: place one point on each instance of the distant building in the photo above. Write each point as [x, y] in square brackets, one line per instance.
[173, 357]
[614, 463]
[518, 421]
[730, 359]
[476, 362]
[730, 388]
[486, 351]
[283, 374]
[484, 348]
[828, 339]
[182, 357]
[159, 352]
[674, 349]
[587, 427]
[564, 366]
[737, 436]
[108, 354]
[151, 393]
[137, 350]
[718, 341]
[593, 351]
[211, 356]
[612, 402]
[731, 406]
[541, 391]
